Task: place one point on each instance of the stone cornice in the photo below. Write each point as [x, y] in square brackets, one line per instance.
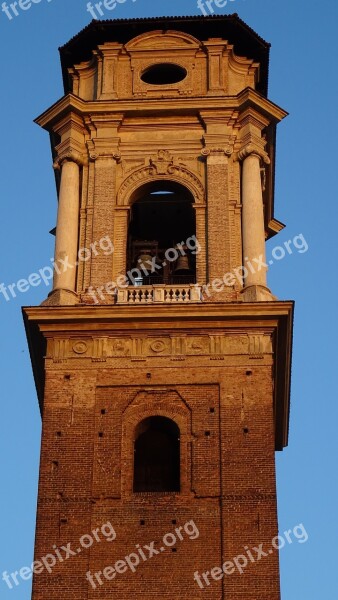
[111, 108]
[274, 227]
[251, 98]
[230, 315]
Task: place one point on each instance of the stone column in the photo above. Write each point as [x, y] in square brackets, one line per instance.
[253, 218]
[253, 229]
[67, 229]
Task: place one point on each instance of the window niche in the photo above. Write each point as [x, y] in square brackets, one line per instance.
[162, 219]
[157, 456]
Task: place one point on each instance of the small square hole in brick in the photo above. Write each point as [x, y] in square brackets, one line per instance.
[142, 522]
[246, 429]
[58, 434]
[174, 521]
[212, 410]
[174, 549]
[103, 411]
[67, 377]
[100, 434]
[207, 433]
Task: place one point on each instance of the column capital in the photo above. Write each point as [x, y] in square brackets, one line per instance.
[253, 149]
[207, 151]
[104, 147]
[69, 156]
[93, 156]
[219, 145]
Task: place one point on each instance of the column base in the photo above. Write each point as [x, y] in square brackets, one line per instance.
[61, 297]
[257, 293]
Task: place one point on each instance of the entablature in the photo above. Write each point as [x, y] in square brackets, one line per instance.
[255, 330]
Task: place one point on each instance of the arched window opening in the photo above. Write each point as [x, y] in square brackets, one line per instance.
[161, 223]
[157, 456]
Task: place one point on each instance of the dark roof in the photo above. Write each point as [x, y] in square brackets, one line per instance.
[230, 27]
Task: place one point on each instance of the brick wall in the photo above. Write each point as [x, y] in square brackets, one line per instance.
[225, 415]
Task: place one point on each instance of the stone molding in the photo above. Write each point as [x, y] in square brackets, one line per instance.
[216, 346]
[166, 167]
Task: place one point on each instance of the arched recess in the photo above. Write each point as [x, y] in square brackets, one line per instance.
[144, 187]
[161, 247]
[149, 404]
[157, 455]
[163, 168]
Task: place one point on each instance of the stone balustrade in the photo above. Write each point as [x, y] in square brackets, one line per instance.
[150, 294]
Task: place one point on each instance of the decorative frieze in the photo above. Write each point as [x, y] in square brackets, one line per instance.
[177, 347]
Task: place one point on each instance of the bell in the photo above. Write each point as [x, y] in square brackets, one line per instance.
[145, 261]
[182, 265]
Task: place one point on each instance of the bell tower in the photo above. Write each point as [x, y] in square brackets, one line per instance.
[161, 357]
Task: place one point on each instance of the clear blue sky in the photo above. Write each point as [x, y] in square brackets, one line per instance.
[304, 81]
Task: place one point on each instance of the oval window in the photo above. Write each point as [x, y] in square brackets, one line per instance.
[163, 74]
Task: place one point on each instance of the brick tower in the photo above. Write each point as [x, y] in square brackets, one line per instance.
[161, 357]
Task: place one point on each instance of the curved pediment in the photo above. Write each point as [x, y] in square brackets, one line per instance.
[155, 40]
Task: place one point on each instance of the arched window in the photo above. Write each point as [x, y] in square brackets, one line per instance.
[161, 218]
[157, 456]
